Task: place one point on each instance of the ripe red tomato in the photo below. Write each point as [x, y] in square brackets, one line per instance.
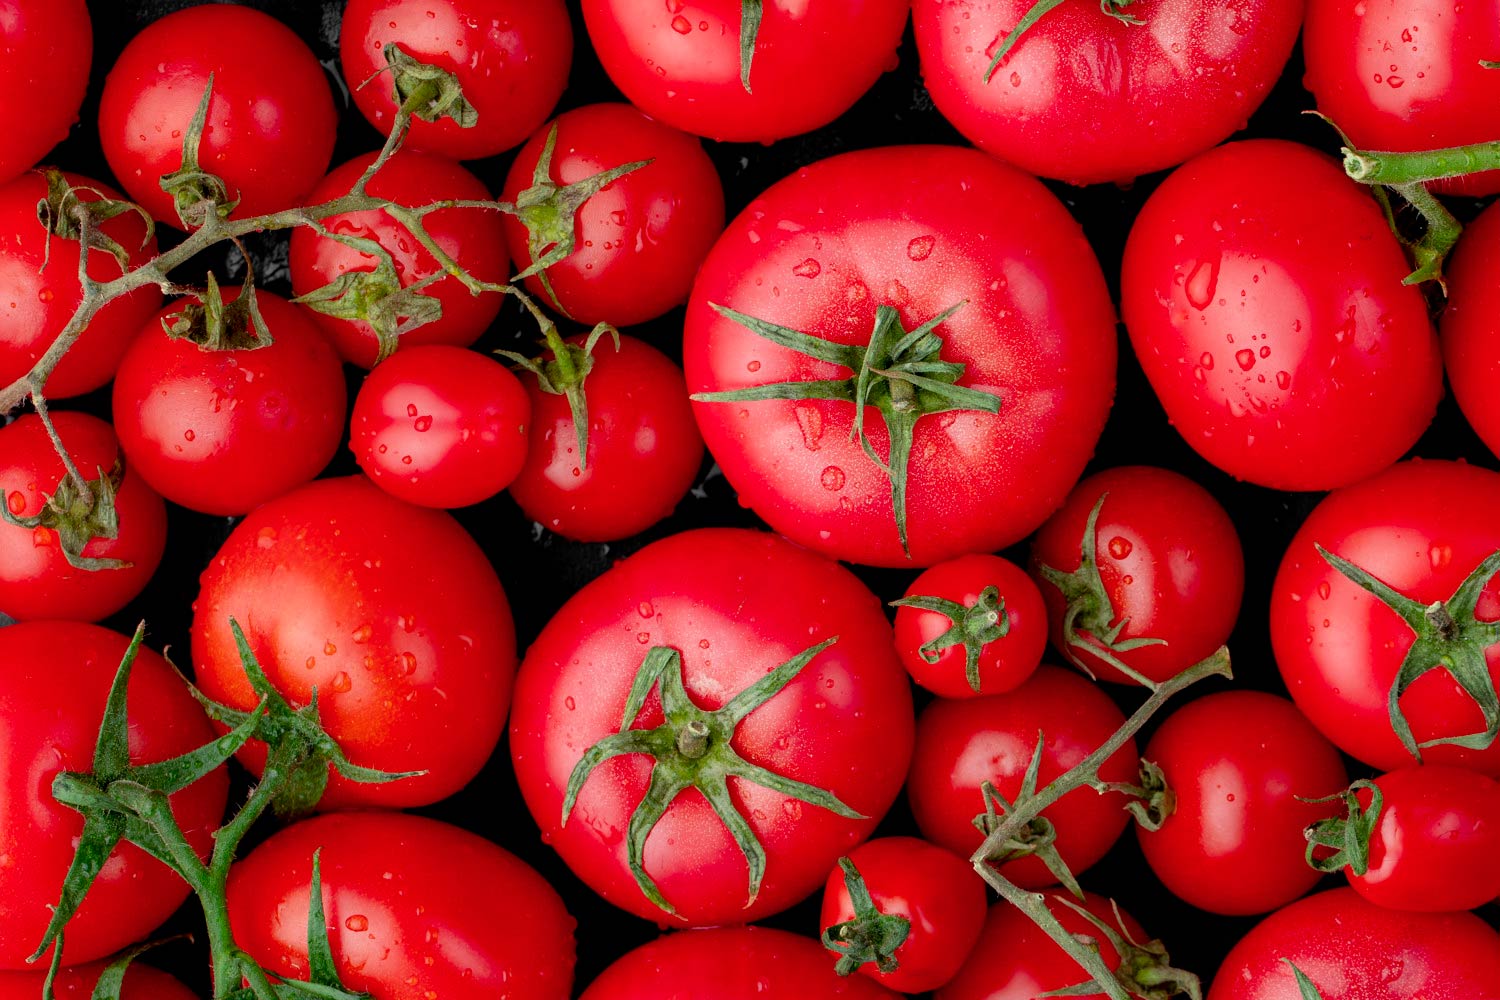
[1087, 97]
[511, 58]
[470, 235]
[935, 891]
[644, 448]
[57, 680]
[404, 918]
[681, 62]
[859, 248]
[1407, 75]
[1262, 289]
[733, 605]
[222, 430]
[1240, 764]
[440, 426]
[963, 744]
[48, 46]
[271, 120]
[1165, 564]
[1422, 528]
[1471, 325]
[36, 579]
[141, 983]
[390, 611]
[639, 239]
[964, 656]
[39, 303]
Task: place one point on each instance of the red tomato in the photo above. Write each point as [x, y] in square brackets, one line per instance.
[1165, 564]
[916, 230]
[935, 891]
[57, 680]
[1239, 764]
[42, 301]
[48, 46]
[644, 448]
[680, 62]
[639, 239]
[271, 120]
[36, 579]
[470, 235]
[963, 744]
[1406, 75]
[1087, 97]
[441, 426]
[1262, 289]
[224, 430]
[390, 611]
[405, 921]
[1422, 528]
[141, 983]
[947, 655]
[1471, 325]
[734, 605]
[510, 57]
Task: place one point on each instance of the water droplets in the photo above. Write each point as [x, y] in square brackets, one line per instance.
[1245, 358]
[809, 268]
[1120, 547]
[920, 248]
[682, 25]
[810, 423]
[1201, 283]
[832, 478]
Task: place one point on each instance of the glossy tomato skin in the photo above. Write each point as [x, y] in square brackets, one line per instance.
[465, 234]
[935, 890]
[680, 64]
[1262, 290]
[271, 119]
[390, 611]
[440, 426]
[644, 448]
[224, 431]
[40, 302]
[404, 919]
[511, 58]
[1471, 330]
[921, 229]
[58, 676]
[1350, 949]
[1406, 75]
[736, 604]
[1421, 527]
[1170, 561]
[962, 744]
[1239, 763]
[36, 580]
[640, 239]
[1087, 98]
[48, 47]
[141, 983]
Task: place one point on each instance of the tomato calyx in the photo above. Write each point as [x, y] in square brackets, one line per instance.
[1035, 837]
[872, 936]
[77, 512]
[899, 372]
[1151, 800]
[692, 749]
[751, 12]
[1305, 986]
[1344, 841]
[427, 92]
[214, 326]
[974, 626]
[197, 194]
[67, 216]
[1039, 10]
[1145, 970]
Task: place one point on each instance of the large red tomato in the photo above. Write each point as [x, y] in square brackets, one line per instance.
[1471, 324]
[47, 45]
[141, 983]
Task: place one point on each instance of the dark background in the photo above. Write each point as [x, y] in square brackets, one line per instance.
[540, 570]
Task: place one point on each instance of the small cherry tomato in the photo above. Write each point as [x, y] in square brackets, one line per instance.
[48, 46]
[1471, 324]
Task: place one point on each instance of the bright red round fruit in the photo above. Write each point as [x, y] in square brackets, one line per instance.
[141, 983]
[1471, 325]
[48, 47]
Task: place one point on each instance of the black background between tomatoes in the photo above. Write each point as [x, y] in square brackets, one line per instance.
[540, 570]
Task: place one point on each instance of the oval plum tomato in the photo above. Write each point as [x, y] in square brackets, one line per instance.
[1262, 290]
[1350, 949]
[392, 886]
[1239, 765]
[271, 120]
[391, 612]
[57, 680]
[971, 625]
[141, 983]
[48, 47]
[777, 672]
[1089, 95]
[1471, 324]
[42, 301]
[685, 63]
[1408, 75]
[470, 235]
[219, 422]
[1141, 566]
[634, 246]
[964, 746]
[510, 58]
[730, 963]
[1425, 530]
[919, 912]
[823, 276]
[115, 535]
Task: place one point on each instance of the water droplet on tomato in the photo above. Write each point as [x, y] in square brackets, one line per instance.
[681, 25]
[1120, 547]
[809, 268]
[357, 923]
[340, 682]
[1324, 590]
[832, 478]
[921, 247]
[1201, 282]
[1245, 357]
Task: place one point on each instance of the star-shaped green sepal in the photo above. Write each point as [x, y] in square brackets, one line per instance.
[872, 936]
[974, 626]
